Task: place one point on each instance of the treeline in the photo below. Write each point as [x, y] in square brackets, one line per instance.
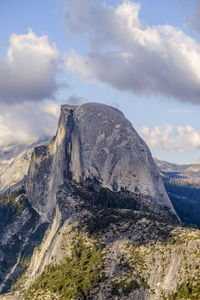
[186, 201]
[94, 195]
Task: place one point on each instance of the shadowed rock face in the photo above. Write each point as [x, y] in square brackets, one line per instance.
[93, 141]
[97, 178]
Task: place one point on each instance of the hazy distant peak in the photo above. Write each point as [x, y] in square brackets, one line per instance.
[15, 159]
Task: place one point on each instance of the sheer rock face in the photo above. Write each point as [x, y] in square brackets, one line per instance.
[96, 141]
[93, 141]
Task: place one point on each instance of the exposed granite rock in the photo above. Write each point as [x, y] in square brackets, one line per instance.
[93, 141]
[14, 162]
[96, 176]
[144, 247]
[21, 231]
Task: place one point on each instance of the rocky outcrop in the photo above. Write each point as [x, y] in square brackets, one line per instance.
[94, 184]
[144, 254]
[14, 162]
[21, 231]
[93, 141]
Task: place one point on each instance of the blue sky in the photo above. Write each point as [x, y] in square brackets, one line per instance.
[122, 53]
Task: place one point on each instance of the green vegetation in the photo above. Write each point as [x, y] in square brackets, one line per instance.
[141, 260]
[134, 274]
[138, 260]
[108, 208]
[124, 286]
[185, 199]
[103, 218]
[156, 257]
[189, 289]
[20, 281]
[73, 277]
[12, 204]
[94, 195]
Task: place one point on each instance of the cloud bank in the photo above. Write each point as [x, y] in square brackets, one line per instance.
[31, 120]
[169, 139]
[28, 71]
[130, 55]
[21, 122]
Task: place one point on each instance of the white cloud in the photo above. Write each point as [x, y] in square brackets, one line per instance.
[131, 55]
[28, 72]
[22, 122]
[170, 139]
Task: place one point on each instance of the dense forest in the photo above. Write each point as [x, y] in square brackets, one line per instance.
[185, 198]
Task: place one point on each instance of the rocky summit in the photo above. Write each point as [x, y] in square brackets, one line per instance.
[91, 219]
[93, 141]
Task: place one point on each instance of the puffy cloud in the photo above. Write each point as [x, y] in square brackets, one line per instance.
[166, 138]
[22, 122]
[28, 71]
[131, 55]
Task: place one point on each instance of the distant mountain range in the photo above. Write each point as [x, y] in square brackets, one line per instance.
[182, 183]
[85, 215]
[15, 159]
[189, 174]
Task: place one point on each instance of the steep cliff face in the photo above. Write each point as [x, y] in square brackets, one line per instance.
[21, 231]
[112, 245]
[96, 187]
[93, 141]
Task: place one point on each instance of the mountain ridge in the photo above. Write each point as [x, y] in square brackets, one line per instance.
[104, 151]
[189, 173]
[182, 183]
[15, 160]
[100, 211]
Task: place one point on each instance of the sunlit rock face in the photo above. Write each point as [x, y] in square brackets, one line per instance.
[93, 141]
[95, 177]
[14, 161]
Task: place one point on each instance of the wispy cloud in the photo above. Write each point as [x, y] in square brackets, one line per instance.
[172, 139]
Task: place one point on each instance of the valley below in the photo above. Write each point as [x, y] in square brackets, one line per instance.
[90, 218]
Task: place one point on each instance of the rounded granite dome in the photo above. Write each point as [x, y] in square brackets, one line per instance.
[94, 141]
[112, 151]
